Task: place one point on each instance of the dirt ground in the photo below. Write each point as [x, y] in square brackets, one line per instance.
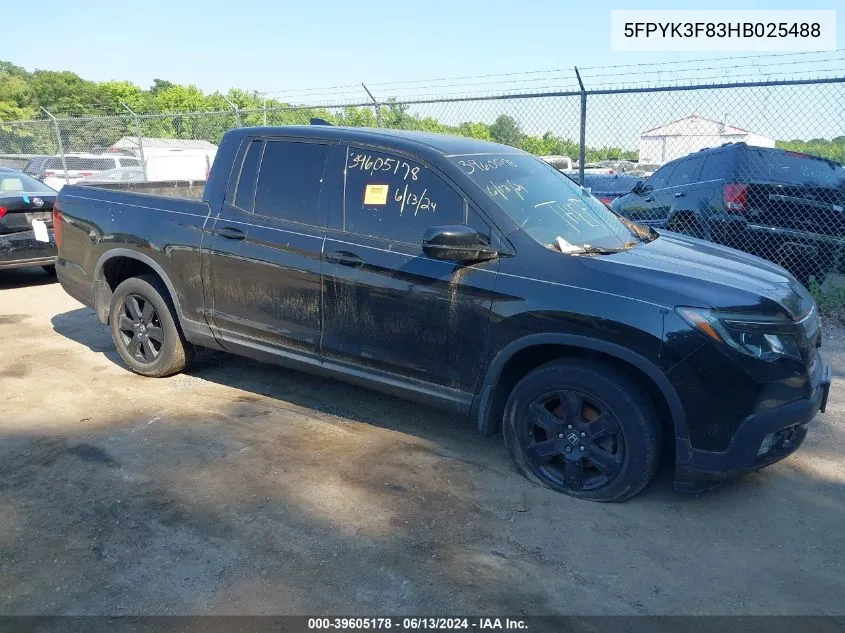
[244, 488]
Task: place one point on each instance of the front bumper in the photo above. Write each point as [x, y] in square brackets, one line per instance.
[787, 425]
[21, 249]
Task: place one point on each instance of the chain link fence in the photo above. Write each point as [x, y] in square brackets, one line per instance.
[754, 165]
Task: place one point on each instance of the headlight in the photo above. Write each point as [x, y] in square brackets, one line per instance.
[765, 340]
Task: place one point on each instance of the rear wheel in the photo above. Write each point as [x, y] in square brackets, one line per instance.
[687, 224]
[584, 429]
[145, 329]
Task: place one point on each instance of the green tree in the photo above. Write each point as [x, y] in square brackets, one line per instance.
[480, 131]
[171, 110]
[505, 130]
[16, 100]
[833, 149]
[161, 84]
[64, 93]
[112, 94]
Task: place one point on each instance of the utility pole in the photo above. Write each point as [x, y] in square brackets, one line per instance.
[265, 109]
[582, 150]
[236, 109]
[59, 141]
[375, 104]
[140, 137]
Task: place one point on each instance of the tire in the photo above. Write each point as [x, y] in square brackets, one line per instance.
[686, 224]
[616, 425]
[157, 349]
[50, 269]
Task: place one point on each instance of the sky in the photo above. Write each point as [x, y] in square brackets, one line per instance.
[284, 45]
[320, 53]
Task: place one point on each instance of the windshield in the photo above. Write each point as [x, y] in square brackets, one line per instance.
[17, 184]
[548, 206]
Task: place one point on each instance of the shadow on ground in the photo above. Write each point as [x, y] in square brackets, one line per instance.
[246, 488]
[20, 277]
[276, 387]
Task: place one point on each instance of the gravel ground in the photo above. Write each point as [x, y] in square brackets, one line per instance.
[241, 488]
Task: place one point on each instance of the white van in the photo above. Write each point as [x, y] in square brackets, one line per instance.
[173, 166]
[81, 166]
[178, 165]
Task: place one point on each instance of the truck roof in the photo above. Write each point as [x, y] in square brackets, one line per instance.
[411, 140]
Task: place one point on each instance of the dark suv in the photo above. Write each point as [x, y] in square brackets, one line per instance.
[468, 275]
[781, 205]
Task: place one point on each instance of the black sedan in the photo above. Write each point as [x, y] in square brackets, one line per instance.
[26, 222]
[607, 187]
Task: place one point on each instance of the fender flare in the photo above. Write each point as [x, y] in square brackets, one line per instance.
[703, 222]
[101, 294]
[482, 402]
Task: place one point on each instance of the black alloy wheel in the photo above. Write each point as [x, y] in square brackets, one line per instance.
[573, 441]
[140, 329]
[584, 428]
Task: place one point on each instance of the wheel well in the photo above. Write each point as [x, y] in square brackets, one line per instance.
[530, 358]
[113, 272]
[685, 216]
[119, 269]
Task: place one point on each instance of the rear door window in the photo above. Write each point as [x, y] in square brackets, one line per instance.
[289, 181]
[687, 171]
[714, 167]
[396, 199]
[245, 188]
[129, 162]
[660, 178]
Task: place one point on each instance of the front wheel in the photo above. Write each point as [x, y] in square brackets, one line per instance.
[145, 329]
[687, 224]
[584, 429]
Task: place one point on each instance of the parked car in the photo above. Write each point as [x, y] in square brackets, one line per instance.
[81, 166]
[36, 164]
[26, 222]
[120, 174]
[784, 206]
[562, 163]
[15, 161]
[606, 187]
[157, 168]
[178, 165]
[467, 275]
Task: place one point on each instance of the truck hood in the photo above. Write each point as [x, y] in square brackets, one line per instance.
[689, 271]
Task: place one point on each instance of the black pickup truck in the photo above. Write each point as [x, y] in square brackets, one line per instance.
[467, 275]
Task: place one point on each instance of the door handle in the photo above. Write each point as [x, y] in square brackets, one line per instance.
[649, 199]
[680, 194]
[344, 258]
[230, 233]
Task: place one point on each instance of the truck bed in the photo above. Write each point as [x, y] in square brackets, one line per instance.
[188, 189]
[162, 230]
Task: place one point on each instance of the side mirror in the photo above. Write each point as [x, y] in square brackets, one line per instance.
[639, 188]
[456, 243]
